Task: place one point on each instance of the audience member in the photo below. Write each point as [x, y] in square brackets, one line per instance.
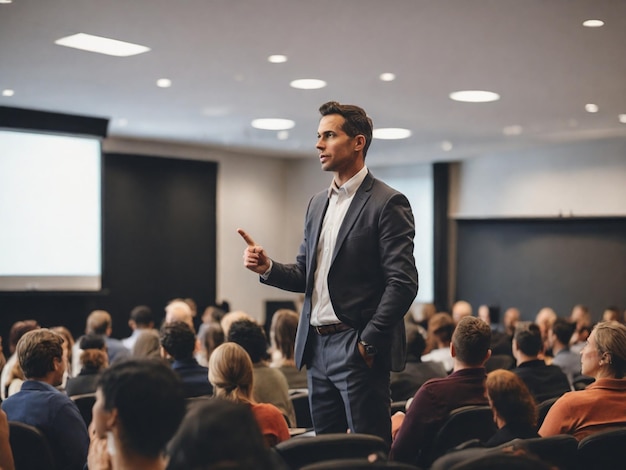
[93, 360]
[406, 383]
[179, 310]
[6, 454]
[141, 318]
[414, 432]
[558, 338]
[15, 379]
[440, 328]
[177, 343]
[544, 320]
[461, 309]
[68, 346]
[611, 314]
[283, 337]
[213, 337]
[230, 373]
[139, 406]
[581, 316]
[601, 406]
[18, 329]
[147, 345]
[40, 404]
[513, 406]
[232, 317]
[270, 385]
[502, 343]
[99, 323]
[544, 381]
[210, 333]
[236, 441]
[428, 310]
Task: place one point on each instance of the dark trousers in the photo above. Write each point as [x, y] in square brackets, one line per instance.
[344, 392]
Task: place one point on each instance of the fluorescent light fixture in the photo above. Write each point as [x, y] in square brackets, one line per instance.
[512, 130]
[387, 77]
[164, 83]
[591, 108]
[101, 45]
[474, 96]
[622, 118]
[6, 1]
[8, 92]
[308, 84]
[277, 59]
[446, 145]
[593, 23]
[391, 133]
[272, 124]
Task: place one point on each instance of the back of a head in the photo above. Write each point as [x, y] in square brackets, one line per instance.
[471, 340]
[563, 329]
[36, 351]
[250, 336]
[441, 326]
[230, 372]
[178, 340]
[283, 331]
[415, 341]
[461, 309]
[528, 338]
[147, 344]
[19, 329]
[142, 316]
[99, 322]
[510, 397]
[235, 440]
[148, 397]
[179, 310]
[610, 338]
[232, 317]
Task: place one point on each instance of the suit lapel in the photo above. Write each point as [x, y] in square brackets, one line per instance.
[318, 209]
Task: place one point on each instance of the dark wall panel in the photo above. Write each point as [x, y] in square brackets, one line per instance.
[532, 264]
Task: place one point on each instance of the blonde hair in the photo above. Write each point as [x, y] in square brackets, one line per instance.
[611, 339]
[230, 373]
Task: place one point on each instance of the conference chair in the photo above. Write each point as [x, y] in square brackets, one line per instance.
[85, 402]
[359, 464]
[300, 451]
[543, 408]
[499, 361]
[463, 424]
[30, 447]
[560, 451]
[603, 450]
[301, 407]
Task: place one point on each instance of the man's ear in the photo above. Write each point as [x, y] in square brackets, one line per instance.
[452, 350]
[111, 419]
[359, 143]
[487, 356]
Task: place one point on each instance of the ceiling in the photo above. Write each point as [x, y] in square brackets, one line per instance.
[535, 53]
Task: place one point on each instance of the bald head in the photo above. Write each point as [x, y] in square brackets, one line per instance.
[461, 309]
[99, 323]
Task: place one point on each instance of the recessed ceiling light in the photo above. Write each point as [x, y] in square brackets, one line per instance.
[277, 59]
[391, 133]
[593, 23]
[474, 96]
[512, 130]
[8, 92]
[387, 77]
[282, 135]
[591, 108]
[88, 42]
[446, 145]
[164, 83]
[272, 124]
[308, 84]
[622, 118]
[6, 1]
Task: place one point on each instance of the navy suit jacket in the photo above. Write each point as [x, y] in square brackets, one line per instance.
[372, 279]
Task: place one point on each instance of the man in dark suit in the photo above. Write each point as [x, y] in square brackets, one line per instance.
[357, 271]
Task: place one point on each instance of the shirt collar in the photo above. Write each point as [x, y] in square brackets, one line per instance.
[349, 187]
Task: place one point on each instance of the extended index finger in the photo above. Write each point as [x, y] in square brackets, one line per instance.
[247, 238]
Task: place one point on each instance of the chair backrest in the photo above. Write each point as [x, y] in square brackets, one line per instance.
[358, 464]
[463, 424]
[543, 408]
[85, 403]
[560, 450]
[300, 451]
[30, 447]
[603, 449]
[499, 361]
[302, 409]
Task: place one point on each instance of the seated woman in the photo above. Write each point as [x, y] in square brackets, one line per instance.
[601, 406]
[93, 360]
[230, 373]
[283, 337]
[514, 408]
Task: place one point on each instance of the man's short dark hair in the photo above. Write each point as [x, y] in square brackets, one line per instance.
[36, 351]
[471, 340]
[563, 329]
[528, 338]
[178, 339]
[148, 396]
[250, 336]
[356, 120]
[142, 315]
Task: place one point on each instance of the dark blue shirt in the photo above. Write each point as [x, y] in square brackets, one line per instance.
[195, 377]
[56, 416]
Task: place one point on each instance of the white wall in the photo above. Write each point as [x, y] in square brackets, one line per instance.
[582, 179]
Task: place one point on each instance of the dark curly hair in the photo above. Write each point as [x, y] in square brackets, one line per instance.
[250, 336]
[178, 339]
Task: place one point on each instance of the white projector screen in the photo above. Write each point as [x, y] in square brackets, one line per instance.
[50, 212]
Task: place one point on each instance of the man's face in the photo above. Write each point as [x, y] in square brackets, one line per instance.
[100, 415]
[336, 149]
